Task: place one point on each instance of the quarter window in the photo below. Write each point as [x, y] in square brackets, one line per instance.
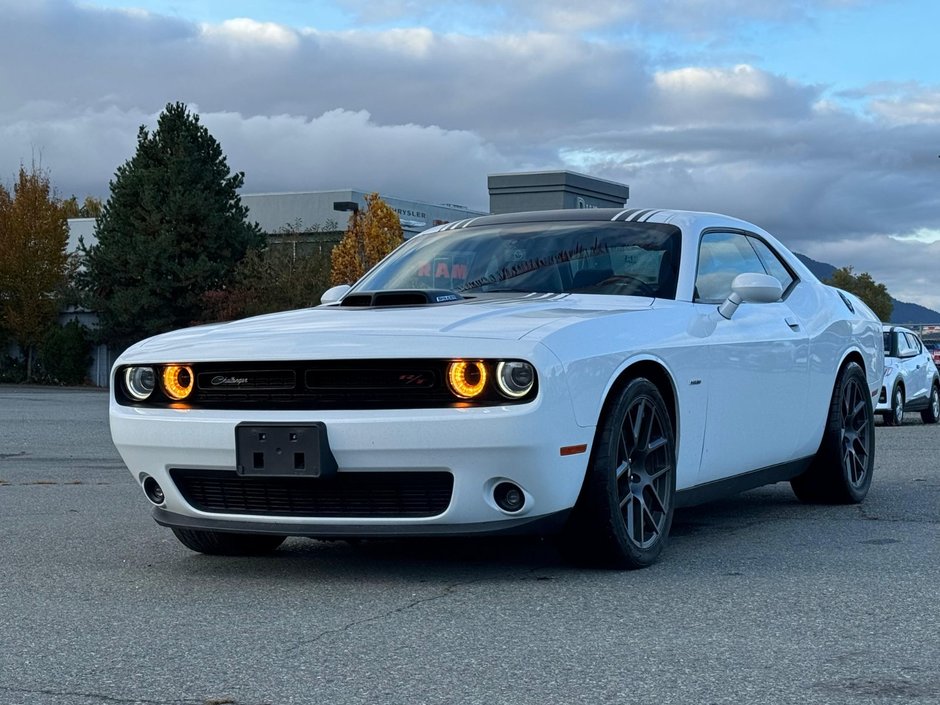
[906, 345]
[913, 344]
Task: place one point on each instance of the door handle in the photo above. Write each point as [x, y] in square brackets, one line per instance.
[792, 322]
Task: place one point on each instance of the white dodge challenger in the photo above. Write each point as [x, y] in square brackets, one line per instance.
[580, 373]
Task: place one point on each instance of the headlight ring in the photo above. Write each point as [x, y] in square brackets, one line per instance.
[139, 382]
[178, 381]
[467, 378]
[515, 379]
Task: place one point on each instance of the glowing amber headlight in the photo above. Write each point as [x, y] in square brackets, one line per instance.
[467, 379]
[177, 381]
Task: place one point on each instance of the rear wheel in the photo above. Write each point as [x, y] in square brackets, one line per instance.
[219, 543]
[932, 413]
[623, 516]
[842, 469]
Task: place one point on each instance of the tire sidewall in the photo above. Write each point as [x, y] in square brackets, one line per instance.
[897, 406]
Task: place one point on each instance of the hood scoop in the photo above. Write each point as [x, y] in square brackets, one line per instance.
[399, 297]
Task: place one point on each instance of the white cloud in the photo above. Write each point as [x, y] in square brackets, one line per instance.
[246, 31]
[925, 235]
[923, 108]
[347, 149]
[278, 153]
[742, 81]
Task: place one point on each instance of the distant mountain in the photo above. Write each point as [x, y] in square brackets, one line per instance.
[902, 312]
[822, 270]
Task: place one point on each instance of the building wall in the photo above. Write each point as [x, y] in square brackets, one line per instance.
[548, 190]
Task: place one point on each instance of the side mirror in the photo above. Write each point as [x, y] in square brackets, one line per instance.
[334, 294]
[750, 288]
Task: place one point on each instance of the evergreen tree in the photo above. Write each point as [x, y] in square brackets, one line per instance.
[173, 228]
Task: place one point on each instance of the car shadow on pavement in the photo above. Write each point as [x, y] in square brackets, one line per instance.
[460, 559]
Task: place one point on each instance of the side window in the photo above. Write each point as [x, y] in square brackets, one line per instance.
[772, 263]
[913, 344]
[722, 257]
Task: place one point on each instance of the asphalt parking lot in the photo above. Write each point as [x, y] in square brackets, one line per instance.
[758, 599]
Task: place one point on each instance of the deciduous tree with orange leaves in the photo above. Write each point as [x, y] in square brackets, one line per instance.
[33, 239]
[371, 235]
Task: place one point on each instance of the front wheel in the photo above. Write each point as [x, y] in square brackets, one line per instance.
[623, 516]
[219, 543]
[842, 469]
[932, 413]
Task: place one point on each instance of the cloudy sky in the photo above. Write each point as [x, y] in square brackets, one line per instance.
[817, 119]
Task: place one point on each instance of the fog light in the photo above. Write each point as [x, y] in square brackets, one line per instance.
[153, 491]
[508, 497]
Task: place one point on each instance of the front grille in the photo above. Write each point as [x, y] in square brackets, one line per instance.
[356, 494]
[335, 384]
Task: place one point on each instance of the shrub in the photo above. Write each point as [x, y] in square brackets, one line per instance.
[12, 370]
[64, 355]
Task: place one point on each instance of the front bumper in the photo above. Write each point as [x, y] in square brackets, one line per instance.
[480, 447]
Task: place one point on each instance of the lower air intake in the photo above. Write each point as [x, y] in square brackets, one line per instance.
[386, 495]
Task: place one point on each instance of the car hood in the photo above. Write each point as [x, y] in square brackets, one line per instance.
[331, 331]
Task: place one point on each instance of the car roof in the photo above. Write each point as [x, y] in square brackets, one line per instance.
[633, 215]
[888, 328]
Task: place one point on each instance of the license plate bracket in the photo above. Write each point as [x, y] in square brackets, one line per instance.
[283, 450]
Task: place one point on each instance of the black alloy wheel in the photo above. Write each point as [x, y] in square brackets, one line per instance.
[625, 510]
[643, 466]
[857, 433]
[841, 471]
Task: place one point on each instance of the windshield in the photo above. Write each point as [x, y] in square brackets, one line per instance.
[640, 259]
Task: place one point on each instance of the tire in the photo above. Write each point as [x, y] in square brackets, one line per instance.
[842, 469]
[932, 413]
[219, 543]
[624, 513]
[895, 417]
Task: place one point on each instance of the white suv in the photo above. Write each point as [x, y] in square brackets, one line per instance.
[911, 381]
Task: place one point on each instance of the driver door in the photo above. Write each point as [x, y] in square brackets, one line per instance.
[758, 362]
